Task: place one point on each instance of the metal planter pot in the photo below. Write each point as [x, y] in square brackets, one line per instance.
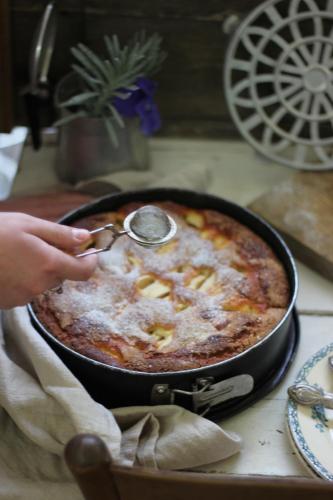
[85, 149]
[266, 362]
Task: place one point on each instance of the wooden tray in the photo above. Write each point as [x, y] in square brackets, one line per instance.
[301, 208]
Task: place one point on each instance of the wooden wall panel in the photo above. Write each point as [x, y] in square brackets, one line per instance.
[6, 102]
[190, 93]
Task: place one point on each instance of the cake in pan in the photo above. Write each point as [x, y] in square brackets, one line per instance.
[209, 294]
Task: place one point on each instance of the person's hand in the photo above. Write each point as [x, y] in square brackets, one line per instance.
[34, 257]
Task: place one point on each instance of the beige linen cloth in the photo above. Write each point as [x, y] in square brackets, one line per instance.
[42, 405]
[197, 178]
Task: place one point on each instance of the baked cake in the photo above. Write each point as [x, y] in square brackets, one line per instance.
[210, 293]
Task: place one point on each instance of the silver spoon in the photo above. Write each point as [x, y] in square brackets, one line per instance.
[149, 226]
[310, 395]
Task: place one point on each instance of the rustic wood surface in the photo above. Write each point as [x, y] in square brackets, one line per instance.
[237, 174]
[190, 94]
[50, 206]
[301, 208]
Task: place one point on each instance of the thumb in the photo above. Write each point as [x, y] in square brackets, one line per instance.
[71, 268]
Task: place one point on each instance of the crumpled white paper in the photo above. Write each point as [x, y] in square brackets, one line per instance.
[11, 146]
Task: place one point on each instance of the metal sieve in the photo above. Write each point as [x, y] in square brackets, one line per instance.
[149, 226]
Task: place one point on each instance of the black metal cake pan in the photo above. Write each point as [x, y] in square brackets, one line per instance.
[114, 386]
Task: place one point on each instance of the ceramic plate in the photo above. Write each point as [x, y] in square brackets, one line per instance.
[311, 428]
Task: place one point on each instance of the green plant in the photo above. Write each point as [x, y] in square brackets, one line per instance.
[101, 79]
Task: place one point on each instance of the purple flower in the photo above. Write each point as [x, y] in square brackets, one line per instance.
[140, 102]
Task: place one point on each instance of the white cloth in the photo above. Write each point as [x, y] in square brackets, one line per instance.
[43, 405]
[11, 146]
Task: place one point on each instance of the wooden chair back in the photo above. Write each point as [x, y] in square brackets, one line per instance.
[89, 461]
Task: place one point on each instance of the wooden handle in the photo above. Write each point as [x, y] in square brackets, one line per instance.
[90, 463]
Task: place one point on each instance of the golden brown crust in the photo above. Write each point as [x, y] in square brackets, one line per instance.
[211, 293]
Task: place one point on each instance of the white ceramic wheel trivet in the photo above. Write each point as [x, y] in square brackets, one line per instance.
[278, 81]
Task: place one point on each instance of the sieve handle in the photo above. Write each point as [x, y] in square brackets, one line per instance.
[108, 227]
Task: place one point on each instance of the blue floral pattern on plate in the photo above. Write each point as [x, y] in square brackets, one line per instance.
[317, 414]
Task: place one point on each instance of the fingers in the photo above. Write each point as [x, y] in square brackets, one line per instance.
[58, 235]
[30, 263]
[71, 268]
[55, 266]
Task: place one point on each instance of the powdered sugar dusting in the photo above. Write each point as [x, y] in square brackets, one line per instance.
[112, 303]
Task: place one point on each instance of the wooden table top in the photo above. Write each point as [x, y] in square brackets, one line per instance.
[236, 173]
